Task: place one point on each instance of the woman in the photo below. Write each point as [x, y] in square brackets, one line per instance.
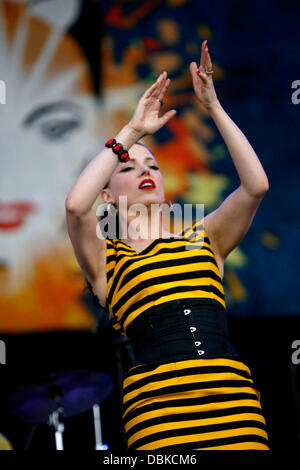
[188, 388]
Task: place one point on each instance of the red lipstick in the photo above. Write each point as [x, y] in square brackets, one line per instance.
[150, 185]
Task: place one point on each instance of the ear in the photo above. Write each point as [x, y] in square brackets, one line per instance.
[61, 14]
[104, 195]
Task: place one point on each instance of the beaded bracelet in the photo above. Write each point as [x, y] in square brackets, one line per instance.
[118, 149]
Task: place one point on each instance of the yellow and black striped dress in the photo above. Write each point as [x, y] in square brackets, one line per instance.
[188, 388]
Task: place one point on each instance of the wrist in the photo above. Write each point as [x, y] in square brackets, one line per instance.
[134, 133]
[215, 106]
[127, 137]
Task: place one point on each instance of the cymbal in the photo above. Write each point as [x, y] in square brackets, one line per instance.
[75, 391]
[4, 443]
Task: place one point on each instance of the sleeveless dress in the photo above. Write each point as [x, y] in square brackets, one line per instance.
[188, 388]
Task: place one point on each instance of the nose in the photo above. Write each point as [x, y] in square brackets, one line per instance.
[145, 170]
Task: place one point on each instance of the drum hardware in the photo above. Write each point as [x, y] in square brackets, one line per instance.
[60, 395]
[98, 433]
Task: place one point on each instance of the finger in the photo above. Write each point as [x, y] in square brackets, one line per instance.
[167, 116]
[164, 90]
[161, 84]
[193, 69]
[203, 75]
[203, 55]
[153, 87]
[197, 73]
[150, 90]
[207, 59]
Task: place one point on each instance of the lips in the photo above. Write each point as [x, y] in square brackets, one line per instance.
[147, 180]
[14, 214]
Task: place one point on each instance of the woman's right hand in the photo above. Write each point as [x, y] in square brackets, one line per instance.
[146, 120]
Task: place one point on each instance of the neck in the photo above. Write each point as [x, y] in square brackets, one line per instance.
[142, 227]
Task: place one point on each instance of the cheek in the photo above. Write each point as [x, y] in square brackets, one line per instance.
[160, 181]
[124, 183]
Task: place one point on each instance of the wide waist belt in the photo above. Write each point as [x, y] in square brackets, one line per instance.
[179, 329]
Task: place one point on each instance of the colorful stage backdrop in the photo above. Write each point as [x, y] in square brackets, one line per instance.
[74, 72]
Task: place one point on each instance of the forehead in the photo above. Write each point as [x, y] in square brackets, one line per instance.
[138, 154]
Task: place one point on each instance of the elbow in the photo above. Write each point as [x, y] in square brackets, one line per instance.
[261, 192]
[265, 185]
[264, 189]
[73, 208]
[258, 191]
[70, 206]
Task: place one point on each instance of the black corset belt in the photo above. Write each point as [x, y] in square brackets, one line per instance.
[181, 329]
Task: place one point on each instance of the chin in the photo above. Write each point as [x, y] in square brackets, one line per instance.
[149, 200]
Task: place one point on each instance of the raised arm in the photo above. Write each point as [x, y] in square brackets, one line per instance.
[228, 224]
[89, 249]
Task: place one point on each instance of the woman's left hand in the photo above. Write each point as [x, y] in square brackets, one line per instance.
[203, 83]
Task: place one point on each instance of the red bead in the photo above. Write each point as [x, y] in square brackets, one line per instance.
[117, 147]
[109, 142]
[124, 156]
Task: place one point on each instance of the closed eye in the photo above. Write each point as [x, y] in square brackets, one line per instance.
[130, 168]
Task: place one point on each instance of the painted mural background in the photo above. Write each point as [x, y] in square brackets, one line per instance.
[74, 72]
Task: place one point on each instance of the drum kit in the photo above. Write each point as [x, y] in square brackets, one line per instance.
[59, 395]
[74, 380]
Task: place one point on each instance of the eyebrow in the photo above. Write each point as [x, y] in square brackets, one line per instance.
[50, 108]
[147, 158]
